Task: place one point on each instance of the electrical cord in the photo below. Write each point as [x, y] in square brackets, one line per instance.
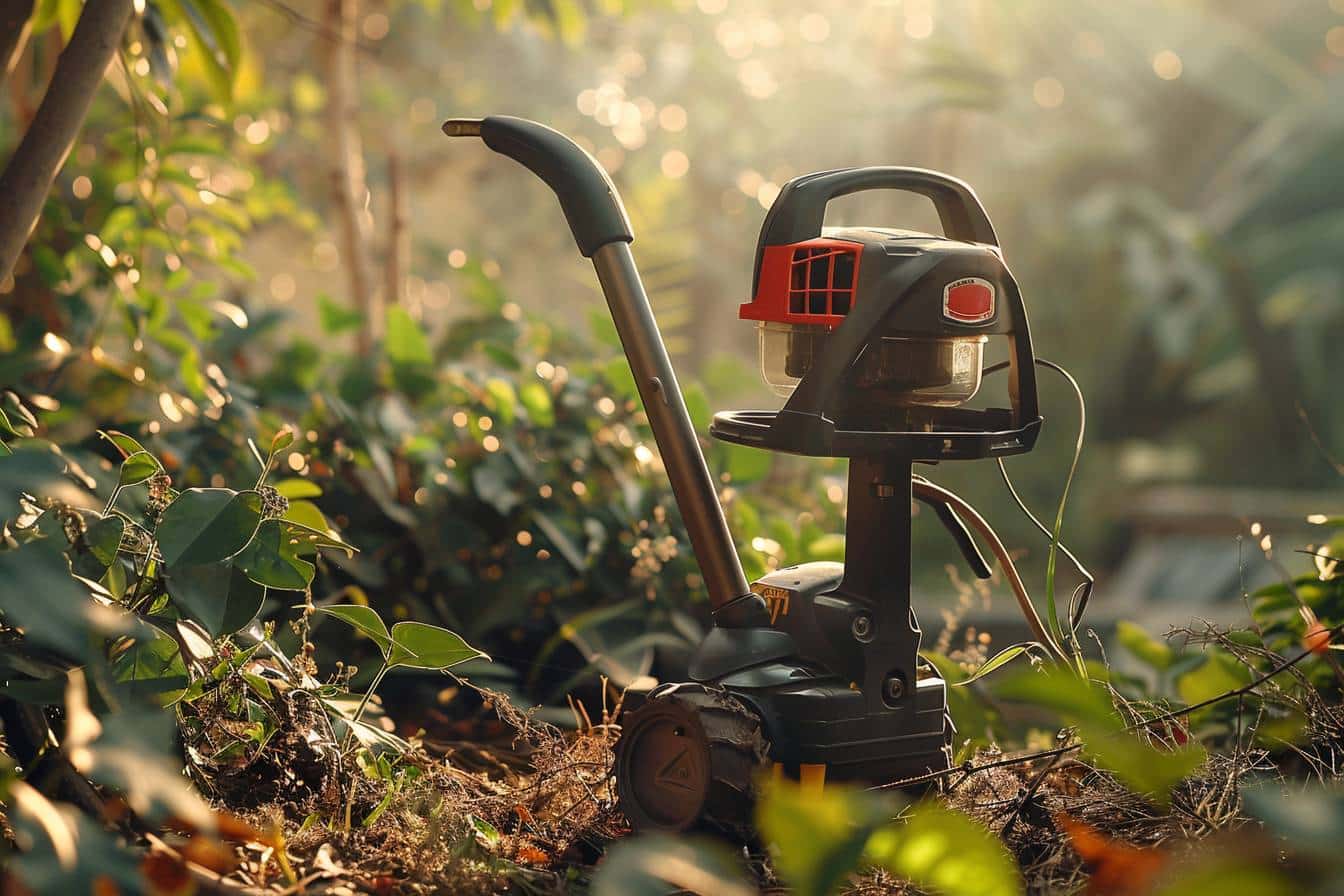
[1083, 593]
[926, 490]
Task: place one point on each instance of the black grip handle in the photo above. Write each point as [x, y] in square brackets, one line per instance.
[589, 199]
[798, 213]
[961, 535]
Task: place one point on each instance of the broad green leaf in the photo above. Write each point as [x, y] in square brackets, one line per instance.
[154, 661]
[219, 596]
[53, 609]
[307, 540]
[336, 318]
[418, 645]
[747, 465]
[99, 547]
[657, 864]
[946, 852]
[207, 49]
[1218, 674]
[298, 488]
[124, 443]
[1143, 646]
[305, 513]
[536, 398]
[503, 398]
[205, 525]
[816, 839]
[37, 467]
[364, 620]
[137, 468]
[132, 750]
[1144, 768]
[405, 342]
[271, 559]
[282, 440]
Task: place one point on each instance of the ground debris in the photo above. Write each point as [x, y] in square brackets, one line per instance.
[474, 818]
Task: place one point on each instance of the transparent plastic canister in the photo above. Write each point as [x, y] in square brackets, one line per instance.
[909, 370]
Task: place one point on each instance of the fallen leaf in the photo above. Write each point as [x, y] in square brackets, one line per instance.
[530, 855]
[166, 874]
[1117, 868]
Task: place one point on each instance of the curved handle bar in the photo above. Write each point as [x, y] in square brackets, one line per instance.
[589, 199]
[798, 213]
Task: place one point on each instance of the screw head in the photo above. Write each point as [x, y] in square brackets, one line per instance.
[862, 627]
[893, 688]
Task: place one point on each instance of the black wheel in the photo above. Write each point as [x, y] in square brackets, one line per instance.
[689, 758]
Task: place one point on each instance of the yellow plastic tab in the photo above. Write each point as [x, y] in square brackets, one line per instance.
[812, 778]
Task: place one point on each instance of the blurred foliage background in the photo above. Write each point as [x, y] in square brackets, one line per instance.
[262, 224]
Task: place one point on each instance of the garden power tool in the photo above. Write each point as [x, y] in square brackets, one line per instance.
[876, 338]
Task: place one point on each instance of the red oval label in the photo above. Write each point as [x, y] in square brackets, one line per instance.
[969, 300]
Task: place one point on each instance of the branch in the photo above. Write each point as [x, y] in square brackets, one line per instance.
[14, 16]
[347, 161]
[398, 237]
[31, 170]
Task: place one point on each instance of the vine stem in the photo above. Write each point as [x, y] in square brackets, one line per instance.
[368, 695]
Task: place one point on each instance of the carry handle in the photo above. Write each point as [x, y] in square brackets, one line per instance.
[798, 213]
[591, 204]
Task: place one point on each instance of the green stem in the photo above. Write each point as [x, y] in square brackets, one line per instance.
[377, 680]
[134, 602]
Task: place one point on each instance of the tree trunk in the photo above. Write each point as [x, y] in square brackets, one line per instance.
[28, 177]
[398, 237]
[347, 160]
[14, 15]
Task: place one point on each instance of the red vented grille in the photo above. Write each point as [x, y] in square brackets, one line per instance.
[811, 282]
[821, 280]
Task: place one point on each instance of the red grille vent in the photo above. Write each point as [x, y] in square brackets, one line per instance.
[821, 280]
[811, 283]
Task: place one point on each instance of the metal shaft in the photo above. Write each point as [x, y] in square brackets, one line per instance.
[697, 497]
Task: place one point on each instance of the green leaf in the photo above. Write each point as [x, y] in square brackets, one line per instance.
[502, 398]
[817, 839]
[997, 661]
[52, 608]
[418, 645]
[336, 318]
[209, 46]
[747, 465]
[658, 864]
[536, 398]
[271, 559]
[219, 596]
[155, 661]
[827, 547]
[306, 514]
[308, 541]
[137, 468]
[1218, 674]
[282, 440]
[1141, 766]
[205, 525]
[298, 488]
[1156, 654]
[946, 852]
[364, 620]
[124, 443]
[405, 342]
[98, 549]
